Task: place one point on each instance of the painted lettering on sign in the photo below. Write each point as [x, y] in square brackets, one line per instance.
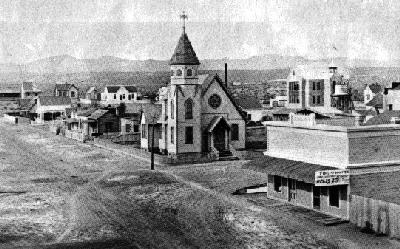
[332, 177]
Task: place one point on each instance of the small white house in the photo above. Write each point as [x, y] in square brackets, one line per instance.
[66, 90]
[49, 108]
[115, 95]
[391, 97]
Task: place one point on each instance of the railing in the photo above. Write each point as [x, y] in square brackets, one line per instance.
[127, 138]
[76, 135]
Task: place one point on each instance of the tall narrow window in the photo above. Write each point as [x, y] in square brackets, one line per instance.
[179, 72]
[143, 131]
[172, 135]
[234, 132]
[172, 110]
[189, 72]
[189, 135]
[189, 109]
[115, 96]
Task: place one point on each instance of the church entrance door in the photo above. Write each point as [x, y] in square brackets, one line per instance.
[219, 134]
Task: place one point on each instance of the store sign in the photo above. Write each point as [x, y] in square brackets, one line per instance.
[332, 177]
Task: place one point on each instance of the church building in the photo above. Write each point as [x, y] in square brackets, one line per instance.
[198, 115]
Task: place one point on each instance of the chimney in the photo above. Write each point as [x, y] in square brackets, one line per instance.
[226, 75]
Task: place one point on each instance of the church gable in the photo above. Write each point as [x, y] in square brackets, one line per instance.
[216, 99]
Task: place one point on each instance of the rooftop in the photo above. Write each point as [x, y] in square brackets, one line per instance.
[64, 86]
[248, 102]
[184, 53]
[54, 100]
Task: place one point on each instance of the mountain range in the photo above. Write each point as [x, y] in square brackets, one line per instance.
[70, 64]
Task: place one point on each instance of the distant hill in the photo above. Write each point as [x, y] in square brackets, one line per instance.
[70, 64]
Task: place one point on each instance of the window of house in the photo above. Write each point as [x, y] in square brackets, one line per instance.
[72, 94]
[135, 128]
[36, 94]
[120, 97]
[172, 72]
[234, 132]
[115, 96]
[334, 196]
[318, 85]
[128, 128]
[144, 132]
[318, 99]
[189, 109]
[390, 107]
[313, 99]
[189, 135]
[123, 96]
[172, 135]
[179, 72]
[172, 110]
[294, 92]
[189, 72]
[129, 97]
[278, 184]
[313, 85]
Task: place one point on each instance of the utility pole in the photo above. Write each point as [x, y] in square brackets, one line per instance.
[152, 146]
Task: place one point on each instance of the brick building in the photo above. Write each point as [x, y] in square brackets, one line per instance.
[362, 156]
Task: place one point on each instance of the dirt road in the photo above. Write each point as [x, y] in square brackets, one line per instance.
[59, 193]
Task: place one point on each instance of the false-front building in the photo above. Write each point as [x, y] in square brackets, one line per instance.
[198, 115]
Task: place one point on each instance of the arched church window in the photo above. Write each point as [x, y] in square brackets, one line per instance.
[189, 72]
[179, 72]
[189, 109]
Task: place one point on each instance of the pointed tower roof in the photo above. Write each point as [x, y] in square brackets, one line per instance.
[184, 53]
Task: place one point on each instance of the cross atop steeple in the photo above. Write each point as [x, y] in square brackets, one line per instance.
[183, 17]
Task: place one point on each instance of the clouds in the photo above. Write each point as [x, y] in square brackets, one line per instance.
[144, 29]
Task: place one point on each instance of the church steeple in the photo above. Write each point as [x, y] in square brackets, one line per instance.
[184, 53]
[184, 62]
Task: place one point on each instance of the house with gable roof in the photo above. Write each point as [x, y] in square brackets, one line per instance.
[67, 90]
[115, 95]
[29, 90]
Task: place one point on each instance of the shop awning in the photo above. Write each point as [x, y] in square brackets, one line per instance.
[300, 171]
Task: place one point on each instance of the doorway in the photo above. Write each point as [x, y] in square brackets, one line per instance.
[292, 189]
[316, 197]
[219, 136]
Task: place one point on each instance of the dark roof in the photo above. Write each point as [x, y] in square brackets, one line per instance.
[27, 86]
[26, 104]
[114, 89]
[151, 109]
[376, 101]
[384, 118]
[248, 102]
[97, 114]
[86, 112]
[184, 53]
[131, 89]
[64, 87]
[284, 111]
[369, 112]
[207, 82]
[375, 88]
[395, 86]
[287, 168]
[54, 100]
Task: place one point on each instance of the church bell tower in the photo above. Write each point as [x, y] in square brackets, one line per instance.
[184, 62]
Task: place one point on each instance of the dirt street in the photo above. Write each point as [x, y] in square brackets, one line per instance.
[60, 193]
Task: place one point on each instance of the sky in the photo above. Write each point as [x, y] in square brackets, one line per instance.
[150, 29]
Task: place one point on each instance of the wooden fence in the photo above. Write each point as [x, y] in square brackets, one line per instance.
[380, 216]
